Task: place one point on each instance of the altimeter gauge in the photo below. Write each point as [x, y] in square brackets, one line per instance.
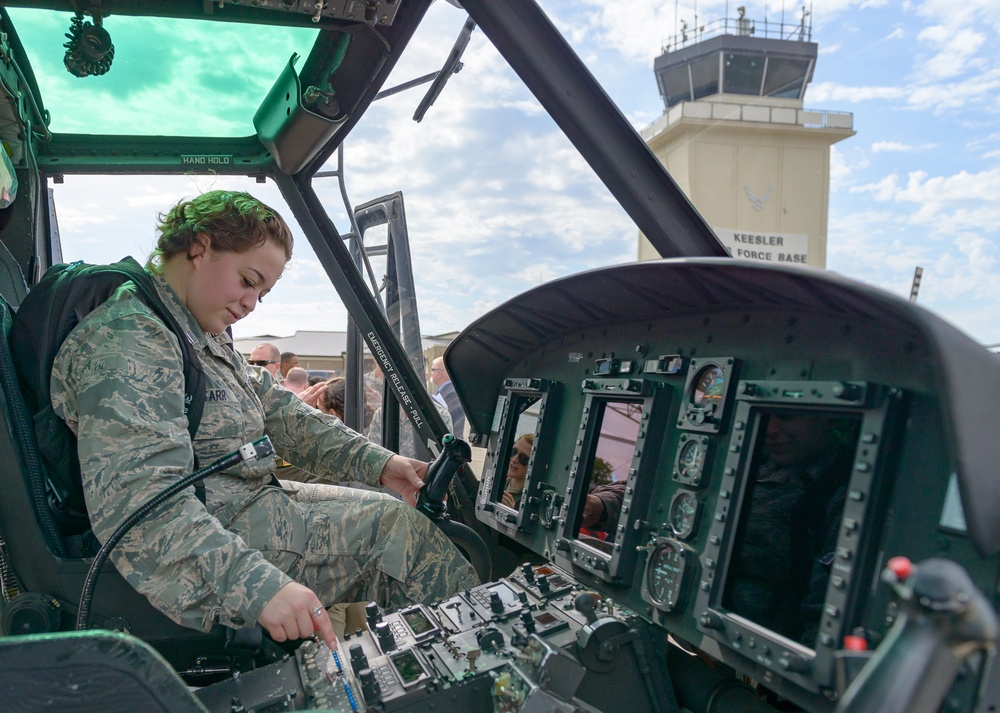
[663, 583]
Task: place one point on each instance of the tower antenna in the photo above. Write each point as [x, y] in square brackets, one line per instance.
[676, 11]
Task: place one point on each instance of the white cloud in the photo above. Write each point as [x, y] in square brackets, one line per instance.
[831, 92]
[840, 171]
[958, 48]
[898, 147]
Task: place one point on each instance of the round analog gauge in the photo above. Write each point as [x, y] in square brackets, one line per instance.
[691, 460]
[709, 388]
[683, 513]
[664, 578]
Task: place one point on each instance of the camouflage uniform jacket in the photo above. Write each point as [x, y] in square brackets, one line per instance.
[117, 381]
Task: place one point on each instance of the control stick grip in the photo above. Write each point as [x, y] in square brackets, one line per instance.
[454, 454]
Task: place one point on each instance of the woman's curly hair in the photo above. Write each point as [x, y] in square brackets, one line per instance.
[234, 222]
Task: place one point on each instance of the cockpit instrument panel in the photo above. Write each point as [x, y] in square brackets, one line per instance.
[735, 462]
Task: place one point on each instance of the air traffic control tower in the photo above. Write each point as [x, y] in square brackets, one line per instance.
[737, 139]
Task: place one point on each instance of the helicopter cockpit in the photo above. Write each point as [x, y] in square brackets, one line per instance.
[709, 485]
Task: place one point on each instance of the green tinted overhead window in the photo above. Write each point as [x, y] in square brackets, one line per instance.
[168, 78]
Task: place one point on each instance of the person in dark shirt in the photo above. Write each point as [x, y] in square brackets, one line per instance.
[787, 540]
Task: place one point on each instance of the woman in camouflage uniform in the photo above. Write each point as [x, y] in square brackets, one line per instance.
[252, 552]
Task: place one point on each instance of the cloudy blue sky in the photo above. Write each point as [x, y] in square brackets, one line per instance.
[498, 201]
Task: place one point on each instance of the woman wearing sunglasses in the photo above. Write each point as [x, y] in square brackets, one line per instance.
[517, 470]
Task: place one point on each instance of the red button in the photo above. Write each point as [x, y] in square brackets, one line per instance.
[855, 643]
[901, 567]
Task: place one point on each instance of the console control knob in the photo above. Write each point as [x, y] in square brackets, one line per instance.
[496, 603]
[794, 664]
[528, 572]
[528, 621]
[373, 614]
[543, 584]
[358, 658]
[489, 639]
[710, 620]
[386, 640]
[586, 603]
[369, 686]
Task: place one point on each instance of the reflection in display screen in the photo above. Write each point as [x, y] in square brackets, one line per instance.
[417, 621]
[611, 459]
[512, 463]
[408, 666]
[789, 519]
[545, 618]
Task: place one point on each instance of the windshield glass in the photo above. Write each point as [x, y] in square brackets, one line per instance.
[211, 75]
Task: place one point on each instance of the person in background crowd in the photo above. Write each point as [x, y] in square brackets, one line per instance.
[374, 379]
[332, 397]
[296, 380]
[288, 361]
[408, 437]
[446, 390]
[266, 356]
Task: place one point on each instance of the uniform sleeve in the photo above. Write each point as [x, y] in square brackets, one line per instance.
[118, 386]
[315, 441]
[611, 496]
[375, 427]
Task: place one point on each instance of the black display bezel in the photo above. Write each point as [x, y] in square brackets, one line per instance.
[618, 566]
[420, 609]
[409, 653]
[874, 406]
[489, 508]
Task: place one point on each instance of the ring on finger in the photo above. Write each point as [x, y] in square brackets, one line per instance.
[315, 612]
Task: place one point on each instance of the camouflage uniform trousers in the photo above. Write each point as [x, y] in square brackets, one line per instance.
[365, 546]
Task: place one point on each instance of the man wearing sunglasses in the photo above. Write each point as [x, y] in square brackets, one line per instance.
[267, 356]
